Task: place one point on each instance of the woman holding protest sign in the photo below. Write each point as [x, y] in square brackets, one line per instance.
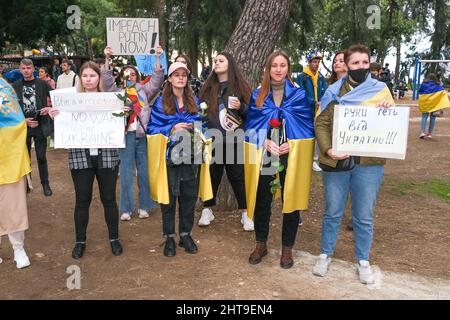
[360, 177]
[226, 94]
[278, 155]
[135, 153]
[86, 165]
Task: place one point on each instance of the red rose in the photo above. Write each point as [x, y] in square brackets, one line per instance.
[274, 123]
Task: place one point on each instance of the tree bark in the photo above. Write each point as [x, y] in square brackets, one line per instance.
[398, 62]
[257, 33]
[440, 28]
[193, 34]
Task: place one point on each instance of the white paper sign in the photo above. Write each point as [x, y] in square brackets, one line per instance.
[132, 36]
[371, 131]
[86, 120]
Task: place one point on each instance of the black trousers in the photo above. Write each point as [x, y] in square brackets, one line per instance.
[183, 186]
[83, 181]
[263, 211]
[40, 145]
[235, 174]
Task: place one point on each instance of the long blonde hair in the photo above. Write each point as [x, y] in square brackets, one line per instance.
[90, 65]
[265, 85]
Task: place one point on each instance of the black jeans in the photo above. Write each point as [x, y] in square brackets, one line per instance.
[83, 181]
[40, 145]
[235, 174]
[184, 188]
[263, 211]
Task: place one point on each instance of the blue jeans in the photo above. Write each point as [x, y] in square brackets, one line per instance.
[363, 183]
[424, 122]
[134, 155]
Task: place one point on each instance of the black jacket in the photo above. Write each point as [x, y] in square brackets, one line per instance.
[42, 92]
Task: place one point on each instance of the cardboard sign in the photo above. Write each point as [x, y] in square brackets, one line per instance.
[86, 120]
[146, 64]
[370, 131]
[132, 36]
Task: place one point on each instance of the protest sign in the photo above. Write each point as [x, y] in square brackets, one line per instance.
[370, 131]
[132, 36]
[146, 64]
[86, 120]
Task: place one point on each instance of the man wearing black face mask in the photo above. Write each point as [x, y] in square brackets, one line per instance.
[343, 174]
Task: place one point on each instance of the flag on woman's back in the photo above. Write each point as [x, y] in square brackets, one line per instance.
[432, 97]
[14, 158]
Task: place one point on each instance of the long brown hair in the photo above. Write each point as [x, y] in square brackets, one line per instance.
[90, 65]
[265, 85]
[333, 78]
[236, 85]
[169, 99]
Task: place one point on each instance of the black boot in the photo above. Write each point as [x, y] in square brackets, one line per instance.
[78, 250]
[47, 190]
[170, 248]
[188, 244]
[116, 247]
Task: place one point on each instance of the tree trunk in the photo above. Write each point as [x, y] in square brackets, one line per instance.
[398, 62]
[193, 33]
[440, 28]
[162, 25]
[256, 35]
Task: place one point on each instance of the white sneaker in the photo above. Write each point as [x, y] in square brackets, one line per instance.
[143, 214]
[322, 264]
[21, 258]
[206, 218]
[126, 216]
[316, 166]
[365, 272]
[247, 222]
[1, 260]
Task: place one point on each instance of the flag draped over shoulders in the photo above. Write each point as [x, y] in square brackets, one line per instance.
[158, 136]
[432, 97]
[300, 134]
[14, 157]
[369, 93]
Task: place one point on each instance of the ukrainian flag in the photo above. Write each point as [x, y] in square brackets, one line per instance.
[432, 97]
[300, 133]
[369, 93]
[158, 136]
[14, 157]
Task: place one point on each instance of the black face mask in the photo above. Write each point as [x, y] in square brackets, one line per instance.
[359, 75]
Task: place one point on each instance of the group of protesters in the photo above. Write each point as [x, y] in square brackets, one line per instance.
[294, 126]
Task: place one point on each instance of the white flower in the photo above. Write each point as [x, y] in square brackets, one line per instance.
[203, 106]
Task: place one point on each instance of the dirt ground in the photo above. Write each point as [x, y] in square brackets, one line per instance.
[410, 248]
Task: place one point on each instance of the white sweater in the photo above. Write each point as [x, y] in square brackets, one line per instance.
[66, 80]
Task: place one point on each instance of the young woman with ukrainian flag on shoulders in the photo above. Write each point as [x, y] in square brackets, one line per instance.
[432, 98]
[173, 173]
[14, 168]
[281, 119]
[343, 174]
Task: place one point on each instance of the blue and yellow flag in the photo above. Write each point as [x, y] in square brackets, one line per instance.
[369, 93]
[300, 134]
[14, 157]
[432, 97]
[158, 136]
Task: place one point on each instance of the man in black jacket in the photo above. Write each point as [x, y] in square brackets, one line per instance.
[33, 95]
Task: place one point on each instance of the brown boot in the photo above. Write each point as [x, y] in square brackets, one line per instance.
[259, 252]
[286, 260]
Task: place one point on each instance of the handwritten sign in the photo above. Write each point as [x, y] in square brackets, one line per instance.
[132, 36]
[371, 131]
[86, 120]
[146, 64]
